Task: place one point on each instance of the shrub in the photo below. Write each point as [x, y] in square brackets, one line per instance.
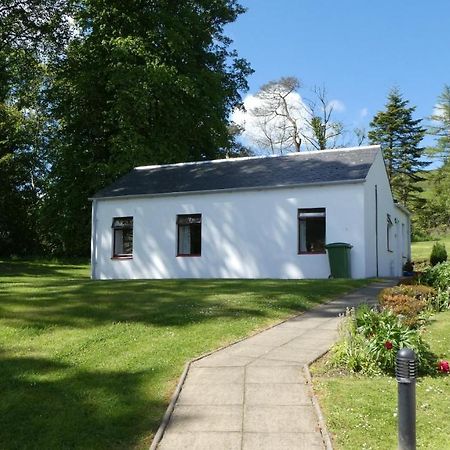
[416, 291]
[408, 267]
[370, 341]
[441, 301]
[406, 307]
[351, 351]
[437, 276]
[409, 302]
[438, 254]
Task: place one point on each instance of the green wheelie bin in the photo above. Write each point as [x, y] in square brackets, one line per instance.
[340, 261]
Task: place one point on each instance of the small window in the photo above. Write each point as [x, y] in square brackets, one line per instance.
[189, 234]
[122, 237]
[311, 230]
[389, 226]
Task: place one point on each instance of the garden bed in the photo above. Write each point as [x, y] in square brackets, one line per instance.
[355, 382]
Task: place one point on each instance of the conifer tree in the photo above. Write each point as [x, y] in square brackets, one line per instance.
[400, 136]
[440, 127]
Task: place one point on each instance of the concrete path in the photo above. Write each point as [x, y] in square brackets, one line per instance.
[253, 394]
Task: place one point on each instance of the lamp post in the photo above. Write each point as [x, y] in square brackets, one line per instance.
[406, 374]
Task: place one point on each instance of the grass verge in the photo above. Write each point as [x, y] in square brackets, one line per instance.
[92, 364]
[421, 251]
[361, 411]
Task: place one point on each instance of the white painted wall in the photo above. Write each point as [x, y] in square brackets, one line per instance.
[390, 262]
[246, 234]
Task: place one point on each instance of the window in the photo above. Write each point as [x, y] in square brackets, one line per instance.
[122, 237]
[311, 230]
[189, 234]
[389, 226]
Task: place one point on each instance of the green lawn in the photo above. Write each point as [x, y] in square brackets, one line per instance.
[361, 411]
[422, 250]
[92, 364]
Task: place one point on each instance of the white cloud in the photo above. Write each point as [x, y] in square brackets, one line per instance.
[337, 105]
[363, 113]
[438, 111]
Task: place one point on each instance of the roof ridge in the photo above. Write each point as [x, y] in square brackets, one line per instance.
[246, 158]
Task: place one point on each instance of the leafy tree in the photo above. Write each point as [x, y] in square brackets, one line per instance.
[400, 136]
[141, 83]
[34, 24]
[30, 33]
[322, 131]
[284, 122]
[434, 215]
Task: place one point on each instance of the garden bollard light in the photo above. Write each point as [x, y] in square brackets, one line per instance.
[406, 374]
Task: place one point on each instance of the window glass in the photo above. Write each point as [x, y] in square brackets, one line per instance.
[122, 236]
[189, 234]
[311, 230]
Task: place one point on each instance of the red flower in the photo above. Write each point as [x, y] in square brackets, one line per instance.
[388, 345]
[444, 366]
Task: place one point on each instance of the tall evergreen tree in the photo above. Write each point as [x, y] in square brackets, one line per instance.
[435, 215]
[400, 136]
[440, 127]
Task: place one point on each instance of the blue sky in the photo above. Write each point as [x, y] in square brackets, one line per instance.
[358, 49]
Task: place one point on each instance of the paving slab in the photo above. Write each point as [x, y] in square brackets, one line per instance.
[282, 441]
[205, 418]
[211, 394]
[277, 374]
[286, 353]
[216, 375]
[223, 360]
[280, 418]
[253, 394]
[277, 394]
[202, 441]
[266, 362]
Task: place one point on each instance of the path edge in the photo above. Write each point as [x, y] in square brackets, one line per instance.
[315, 401]
[169, 410]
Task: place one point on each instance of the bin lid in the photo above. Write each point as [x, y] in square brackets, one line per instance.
[338, 245]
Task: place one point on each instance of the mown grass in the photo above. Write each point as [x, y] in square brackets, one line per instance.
[421, 251]
[361, 412]
[92, 364]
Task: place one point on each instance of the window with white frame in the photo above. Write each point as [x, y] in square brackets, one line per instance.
[311, 230]
[122, 237]
[189, 234]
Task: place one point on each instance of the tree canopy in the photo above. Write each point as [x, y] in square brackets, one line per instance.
[400, 136]
[440, 127]
[116, 84]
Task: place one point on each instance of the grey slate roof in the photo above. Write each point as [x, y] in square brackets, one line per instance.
[326, 166]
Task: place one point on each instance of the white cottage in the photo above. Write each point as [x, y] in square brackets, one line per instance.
[259, 217]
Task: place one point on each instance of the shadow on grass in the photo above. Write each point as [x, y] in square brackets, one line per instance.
[50, 405]
[63, 396]
[84, 303]
[10, 268]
